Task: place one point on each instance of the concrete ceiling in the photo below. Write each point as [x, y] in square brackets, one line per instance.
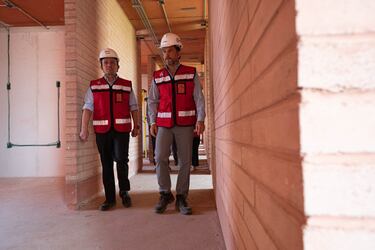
[20, 13]
[186, 18]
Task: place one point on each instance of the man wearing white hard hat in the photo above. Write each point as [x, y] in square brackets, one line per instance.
[112, 103]
[176, 109]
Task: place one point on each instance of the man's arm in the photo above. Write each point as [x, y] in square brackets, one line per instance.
[133, 106]
[88, 108]
[86, 116]
[200, 105]
[136, 127]
[153, 102]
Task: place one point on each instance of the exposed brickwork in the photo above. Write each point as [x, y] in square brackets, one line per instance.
[293, 130]
[91, 26]
[258, 174]
[335, 74]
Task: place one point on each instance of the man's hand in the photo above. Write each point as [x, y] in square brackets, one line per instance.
[84, 135]
[86, 116]
[135, 131]
[153, 130]
[199, 127]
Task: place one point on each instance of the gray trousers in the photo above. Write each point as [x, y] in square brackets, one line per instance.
[184, 142]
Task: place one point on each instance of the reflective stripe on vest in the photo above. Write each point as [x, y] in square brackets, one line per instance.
[165, 114]
[122, 121]
[99, 122]
[184, 77]
[186, 113]
[103, 86]
[120, 87]
[162, 79]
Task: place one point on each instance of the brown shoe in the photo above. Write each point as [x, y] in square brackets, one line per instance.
[182, 206]
[165, 199]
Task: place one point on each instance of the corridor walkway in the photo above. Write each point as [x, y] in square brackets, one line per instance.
[34, 216]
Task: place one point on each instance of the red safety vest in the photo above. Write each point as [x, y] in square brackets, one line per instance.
[111, 105]
[176, 104]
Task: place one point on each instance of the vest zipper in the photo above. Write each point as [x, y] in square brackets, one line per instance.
[111, 107]
[174, 103]
[111, 104]
[174, 109]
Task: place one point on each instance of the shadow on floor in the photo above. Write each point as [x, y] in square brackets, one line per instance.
[201, 200]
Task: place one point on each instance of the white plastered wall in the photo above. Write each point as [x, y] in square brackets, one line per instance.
[37, 61]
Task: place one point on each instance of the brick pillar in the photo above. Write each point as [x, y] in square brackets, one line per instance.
[90, 27]
[336, 65]
[293, 90]
[257, 170]
[81, 160]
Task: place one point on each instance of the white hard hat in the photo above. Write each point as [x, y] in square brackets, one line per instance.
[170, 39]
[108, 53]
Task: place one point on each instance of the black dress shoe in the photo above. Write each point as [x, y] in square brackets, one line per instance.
[126, 200]
[107, 205]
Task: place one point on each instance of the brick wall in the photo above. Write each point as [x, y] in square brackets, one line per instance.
[336, 76]
[293, 91]
[258, 169]
[91, 26]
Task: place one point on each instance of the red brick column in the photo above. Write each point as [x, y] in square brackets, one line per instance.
[258, 171]
[336, 65]
[90, 27]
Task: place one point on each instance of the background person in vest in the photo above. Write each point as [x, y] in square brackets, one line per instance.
[153, 139]
[176, 104]
[112, 103]
[195, 149]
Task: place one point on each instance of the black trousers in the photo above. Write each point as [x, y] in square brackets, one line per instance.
[195, 156]
[114, 146]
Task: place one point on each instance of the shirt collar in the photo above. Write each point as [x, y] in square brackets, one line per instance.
[110, 82]
[177, 65]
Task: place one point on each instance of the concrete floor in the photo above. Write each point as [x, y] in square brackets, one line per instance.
[33, 216]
